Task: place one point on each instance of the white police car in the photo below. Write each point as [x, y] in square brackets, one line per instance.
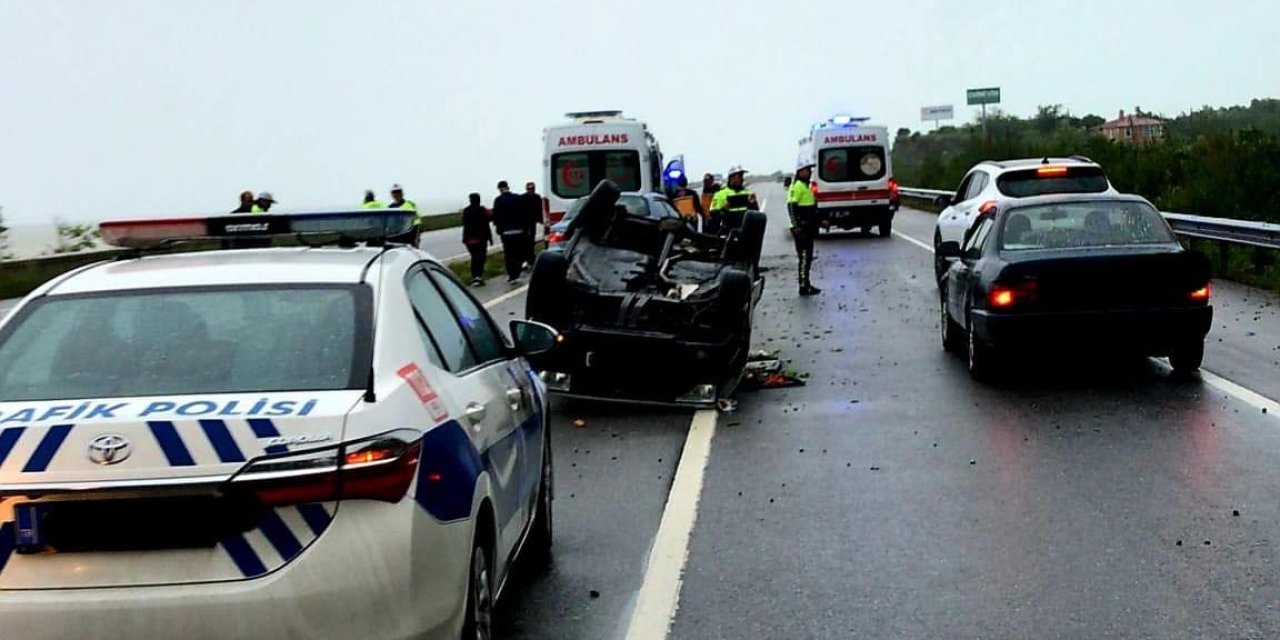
[271, 443]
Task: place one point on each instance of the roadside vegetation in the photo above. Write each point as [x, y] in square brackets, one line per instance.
[1213, 161]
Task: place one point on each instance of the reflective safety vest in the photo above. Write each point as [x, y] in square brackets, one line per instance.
[801, 195]
[410, 205]
[257, 209]
[730, 199]
[374, 204]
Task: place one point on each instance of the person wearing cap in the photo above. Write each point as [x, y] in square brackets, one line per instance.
[371, 201]
[263, 203]
[398, 201]
[802, 207]
[731, 202]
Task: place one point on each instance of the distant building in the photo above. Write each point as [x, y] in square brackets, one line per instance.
[1132, 128]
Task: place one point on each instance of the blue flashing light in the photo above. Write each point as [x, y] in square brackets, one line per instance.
[675, 174]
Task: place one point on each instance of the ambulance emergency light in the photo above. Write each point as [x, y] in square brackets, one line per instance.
[353, 225]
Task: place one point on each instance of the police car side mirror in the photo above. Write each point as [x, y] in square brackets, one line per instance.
[943, 201]
[949, 249]
[533, 338]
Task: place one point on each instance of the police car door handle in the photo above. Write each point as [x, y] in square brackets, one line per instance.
[475, 413]
[516, 397]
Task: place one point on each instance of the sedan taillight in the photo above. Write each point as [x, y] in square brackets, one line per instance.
[1202, 294]
[377, 468]
[1005, 296]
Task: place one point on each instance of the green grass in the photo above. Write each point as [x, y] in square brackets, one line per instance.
[440, 221]
[494, 265]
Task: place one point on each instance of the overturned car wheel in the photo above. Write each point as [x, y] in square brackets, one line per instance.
[547, 300]
[735, 314]
[747, 244]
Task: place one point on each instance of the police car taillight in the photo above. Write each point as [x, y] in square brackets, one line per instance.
[356, 225]
[379, 468]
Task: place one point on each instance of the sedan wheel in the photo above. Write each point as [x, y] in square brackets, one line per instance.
[479, 622]
[981, 356]
[1186, 359]
[953, 336]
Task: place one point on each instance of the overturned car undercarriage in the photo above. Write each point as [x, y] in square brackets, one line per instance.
[650, 310]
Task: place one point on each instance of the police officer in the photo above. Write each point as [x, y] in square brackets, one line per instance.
[802, 206]
[731, 202]
[371, 201]
[263, 203]
[398, 202]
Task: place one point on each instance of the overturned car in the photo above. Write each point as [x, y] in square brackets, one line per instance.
[649, 308]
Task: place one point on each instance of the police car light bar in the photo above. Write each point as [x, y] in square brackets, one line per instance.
[357, 225]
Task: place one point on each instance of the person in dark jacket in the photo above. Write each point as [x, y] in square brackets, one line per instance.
[531, 203]
[477, 235]
[508, 219]
[688, 203]
[246, 203]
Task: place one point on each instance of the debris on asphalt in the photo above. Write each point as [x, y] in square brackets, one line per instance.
[875, 468]
[725, 405]
[972, 461]
[1235, 512]
[594, 594]
[579, 423]
[1178, 543]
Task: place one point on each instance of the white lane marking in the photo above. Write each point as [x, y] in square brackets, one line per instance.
[917, 243]
[1243, 394]
[505, 297]
[659, 596]
[764, 204]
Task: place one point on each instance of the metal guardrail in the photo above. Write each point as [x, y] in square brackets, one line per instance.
[1227, 230]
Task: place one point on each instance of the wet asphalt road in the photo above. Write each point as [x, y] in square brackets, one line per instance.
[893, 497]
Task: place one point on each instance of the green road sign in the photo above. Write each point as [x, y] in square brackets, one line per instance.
[990, 95]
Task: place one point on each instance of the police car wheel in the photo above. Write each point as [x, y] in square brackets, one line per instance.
[541, 534]
[479, 621]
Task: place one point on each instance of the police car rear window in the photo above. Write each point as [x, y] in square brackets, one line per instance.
[851, 164]
[1046, 180]
[175, 342]
[573, 175]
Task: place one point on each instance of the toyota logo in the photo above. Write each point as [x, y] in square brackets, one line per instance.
[109, 448]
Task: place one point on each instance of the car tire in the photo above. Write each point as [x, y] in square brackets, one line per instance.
[866, 231]
[735, 311]
[886, 228]
[940, 264]
[1187, 358]
[981, 356]
[541, 531]
[547, 300]
[478, 622]
[954, 340]
[749, 242]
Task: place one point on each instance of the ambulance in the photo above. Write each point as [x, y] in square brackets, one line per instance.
[853, 174]
[594, 146]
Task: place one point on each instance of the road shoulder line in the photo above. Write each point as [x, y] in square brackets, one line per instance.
[659, 597]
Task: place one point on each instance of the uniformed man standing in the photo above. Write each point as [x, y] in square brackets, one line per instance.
[371, 201]
[731, 202]
[398, 202]
[263, 203]
[802, 206]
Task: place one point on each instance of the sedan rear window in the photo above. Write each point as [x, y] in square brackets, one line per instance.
[185, 341]
[1083, 224]
[1046, 180]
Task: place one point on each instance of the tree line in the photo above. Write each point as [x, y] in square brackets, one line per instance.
[1221, 162]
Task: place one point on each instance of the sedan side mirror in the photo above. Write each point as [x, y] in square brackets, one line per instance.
[943, 201]
[534, 338]
[949, 249]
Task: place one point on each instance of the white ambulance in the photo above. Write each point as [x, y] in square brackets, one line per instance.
[853, 177]
[594, 146]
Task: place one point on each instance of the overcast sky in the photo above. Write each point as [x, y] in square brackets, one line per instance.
[153, 107]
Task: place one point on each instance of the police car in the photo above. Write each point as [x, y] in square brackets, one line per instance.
[307, 442]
